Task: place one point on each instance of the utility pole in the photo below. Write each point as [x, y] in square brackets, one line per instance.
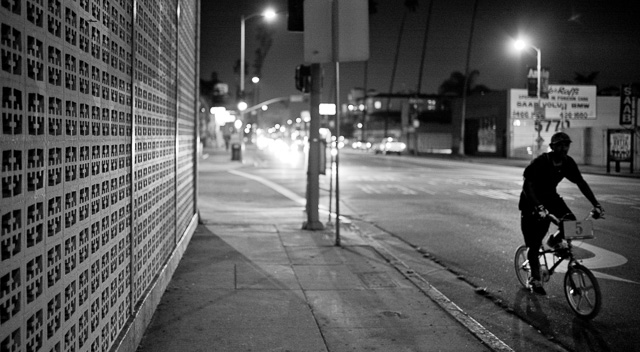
[313, 169]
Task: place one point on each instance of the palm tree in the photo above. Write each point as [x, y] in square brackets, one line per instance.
[264, 36]
[590, 78]
[454, 85]
[424, 46]
[410, 5]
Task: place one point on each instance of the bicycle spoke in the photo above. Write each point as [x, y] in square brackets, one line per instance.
[582, 292]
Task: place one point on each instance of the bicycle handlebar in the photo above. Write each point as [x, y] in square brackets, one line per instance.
[592, 214]
[554, 219]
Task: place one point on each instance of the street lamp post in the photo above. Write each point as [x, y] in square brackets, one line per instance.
[268, 14]
[520, 44]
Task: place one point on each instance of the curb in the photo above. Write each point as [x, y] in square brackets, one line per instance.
[484, 335]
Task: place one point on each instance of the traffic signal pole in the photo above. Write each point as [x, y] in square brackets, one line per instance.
[313, 169]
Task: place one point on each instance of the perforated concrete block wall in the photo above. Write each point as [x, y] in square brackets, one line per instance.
[98, 173]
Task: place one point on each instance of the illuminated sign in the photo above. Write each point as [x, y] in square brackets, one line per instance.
[568, 102]
[327, 109]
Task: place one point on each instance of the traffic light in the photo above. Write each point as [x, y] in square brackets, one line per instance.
[303, 78]
[373, 7]
[295, 20]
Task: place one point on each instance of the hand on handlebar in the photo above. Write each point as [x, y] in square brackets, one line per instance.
[541, 212]
[597, 212]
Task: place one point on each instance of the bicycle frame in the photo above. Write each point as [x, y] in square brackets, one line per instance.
[569, 249]
[570, 257]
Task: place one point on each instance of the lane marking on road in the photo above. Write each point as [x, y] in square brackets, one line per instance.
[276, 187]
[602, 259]
[489, 193]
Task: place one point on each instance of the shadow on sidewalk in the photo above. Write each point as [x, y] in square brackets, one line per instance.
[221, 300]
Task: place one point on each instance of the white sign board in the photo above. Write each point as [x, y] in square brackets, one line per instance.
[327, 109]
[568, 102]
[350, 20]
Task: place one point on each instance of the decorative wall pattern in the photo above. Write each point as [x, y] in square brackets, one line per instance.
[97, 154]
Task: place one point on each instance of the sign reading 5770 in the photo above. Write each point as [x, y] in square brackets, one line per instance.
[564, 102]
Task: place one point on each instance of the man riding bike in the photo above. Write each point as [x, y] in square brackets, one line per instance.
[539, 198]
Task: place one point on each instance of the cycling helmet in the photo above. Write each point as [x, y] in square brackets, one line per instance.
[560, 137]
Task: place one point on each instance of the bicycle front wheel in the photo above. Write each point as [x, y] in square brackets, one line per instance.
[522, 266]
[582, 291]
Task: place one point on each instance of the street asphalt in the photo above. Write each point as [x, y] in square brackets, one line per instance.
[252, 279]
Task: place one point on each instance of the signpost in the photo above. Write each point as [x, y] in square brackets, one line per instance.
[619, 148]
[334, 31]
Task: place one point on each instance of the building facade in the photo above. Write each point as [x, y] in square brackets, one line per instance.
[502, 124]
[98, 152]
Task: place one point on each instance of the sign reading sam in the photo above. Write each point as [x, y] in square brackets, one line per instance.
[564, 102]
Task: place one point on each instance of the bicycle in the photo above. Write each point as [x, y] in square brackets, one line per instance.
[580, 285]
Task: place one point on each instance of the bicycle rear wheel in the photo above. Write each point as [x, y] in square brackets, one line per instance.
[582, 291]
[522, 266]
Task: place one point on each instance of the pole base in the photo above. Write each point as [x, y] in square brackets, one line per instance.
[312, 226]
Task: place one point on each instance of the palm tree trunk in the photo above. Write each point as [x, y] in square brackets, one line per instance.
[465, 88]
[364, 111]
[393, 71]
[424, 47]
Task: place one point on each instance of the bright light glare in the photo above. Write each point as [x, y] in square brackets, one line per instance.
[269, 14]
[263, 142]
[520, 44]
[265, 107]
[255, 79]
[242, 106]
[216, 110]
[285, 152]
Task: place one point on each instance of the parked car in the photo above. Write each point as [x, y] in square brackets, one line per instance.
[390, 145]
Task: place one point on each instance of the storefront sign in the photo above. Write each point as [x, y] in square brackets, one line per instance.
[532, 82]
[620, 145]
[627, 105]
[619, 148]
[564, 102]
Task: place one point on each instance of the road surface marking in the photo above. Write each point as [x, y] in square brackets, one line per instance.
[602, 259]
[276, 187]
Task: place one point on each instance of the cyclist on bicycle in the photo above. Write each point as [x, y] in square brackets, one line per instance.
[539, 198]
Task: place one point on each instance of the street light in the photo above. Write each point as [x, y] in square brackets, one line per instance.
[268, 15]
[520, 45]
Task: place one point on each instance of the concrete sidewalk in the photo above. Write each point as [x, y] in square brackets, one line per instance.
[252, 280]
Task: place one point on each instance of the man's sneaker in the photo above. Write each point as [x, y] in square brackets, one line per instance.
[557, 244]
[536, 287]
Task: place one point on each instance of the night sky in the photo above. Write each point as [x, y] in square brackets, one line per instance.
[577, 36]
